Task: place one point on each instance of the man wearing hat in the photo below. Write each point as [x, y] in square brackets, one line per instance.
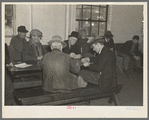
[16, 44]
[33, 49]
[71, 47]
[59, 69]
[130, 50]
[102, 70]
[109, 43]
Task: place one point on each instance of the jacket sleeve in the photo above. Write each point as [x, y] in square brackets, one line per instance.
[126, 49]
[17, 44]
[111, 44]
[26, 56]
[74, 66]
[101, 62]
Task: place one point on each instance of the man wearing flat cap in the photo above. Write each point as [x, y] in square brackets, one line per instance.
[59, 69]
[33, 49]
[130, 50]
[17, 43]
[102, 70]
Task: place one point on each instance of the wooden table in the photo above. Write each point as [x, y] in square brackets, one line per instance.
[26, 77]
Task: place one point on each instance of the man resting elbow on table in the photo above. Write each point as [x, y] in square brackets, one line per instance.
[59, 69]
[71, 47]
[33, 49]
[103, 71]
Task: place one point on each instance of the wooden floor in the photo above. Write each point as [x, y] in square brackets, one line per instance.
[130, 95]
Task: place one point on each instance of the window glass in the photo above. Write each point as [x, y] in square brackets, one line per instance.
[79, 12]
[102, 26]
[8, 20]
[95, 12]
[86, 12]
[93, 18]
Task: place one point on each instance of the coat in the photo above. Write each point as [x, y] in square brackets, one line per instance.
[58, 71]
[110, 44]
[105, 65]
[126, 48]
[29, 52]
[83, 47]
[68, 50]
[15, 48]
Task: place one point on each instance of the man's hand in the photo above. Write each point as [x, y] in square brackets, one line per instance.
[72, 55]
[39, 57]
[78, 56]
[136, 57]
[86, 64]
[86, 59]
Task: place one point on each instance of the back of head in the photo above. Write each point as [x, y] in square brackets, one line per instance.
[56, 45]
[97, 40]
[135, 37]
[81, 31]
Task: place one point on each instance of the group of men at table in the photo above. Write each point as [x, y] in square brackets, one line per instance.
[70, 64]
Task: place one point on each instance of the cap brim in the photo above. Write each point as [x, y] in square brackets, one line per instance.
[63, 43]
[96, 41]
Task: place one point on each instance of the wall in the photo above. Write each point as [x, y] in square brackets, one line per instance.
[22, 14]
[50, 19]
[126, 21]
[123, 20]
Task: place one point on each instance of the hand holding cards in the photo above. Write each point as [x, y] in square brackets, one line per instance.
[74, 56]
[85, 61]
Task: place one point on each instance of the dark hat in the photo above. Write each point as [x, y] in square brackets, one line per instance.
[57, 38]
[22, 29]
[36, 32]
[98, 39]
[74, 34]
[136, 37]
[108, 34]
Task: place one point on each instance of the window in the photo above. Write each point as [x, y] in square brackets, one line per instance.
[93, 18]
[9, 20]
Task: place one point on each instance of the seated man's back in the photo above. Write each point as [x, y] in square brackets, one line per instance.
[58, 69]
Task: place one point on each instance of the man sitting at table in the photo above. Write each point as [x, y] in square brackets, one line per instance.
[103, 71]
[71, 47]
[59, 69]
[33, 49]
[16, 44]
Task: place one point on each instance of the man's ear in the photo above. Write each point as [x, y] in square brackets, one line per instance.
[51, 48]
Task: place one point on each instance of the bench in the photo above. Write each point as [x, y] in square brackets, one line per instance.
[37, 96]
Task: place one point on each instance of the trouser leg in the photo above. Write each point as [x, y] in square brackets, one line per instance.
[90, 76]
[126, 62]
[137, 64]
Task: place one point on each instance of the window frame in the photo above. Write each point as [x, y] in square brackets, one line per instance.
[91, 20]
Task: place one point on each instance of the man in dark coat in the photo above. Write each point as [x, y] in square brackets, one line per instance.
[16, 44]
[59, 69]
[33, 49]
[130, 50]
[103, 71]
[71, 47]
[109, 43]
[83, 43]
